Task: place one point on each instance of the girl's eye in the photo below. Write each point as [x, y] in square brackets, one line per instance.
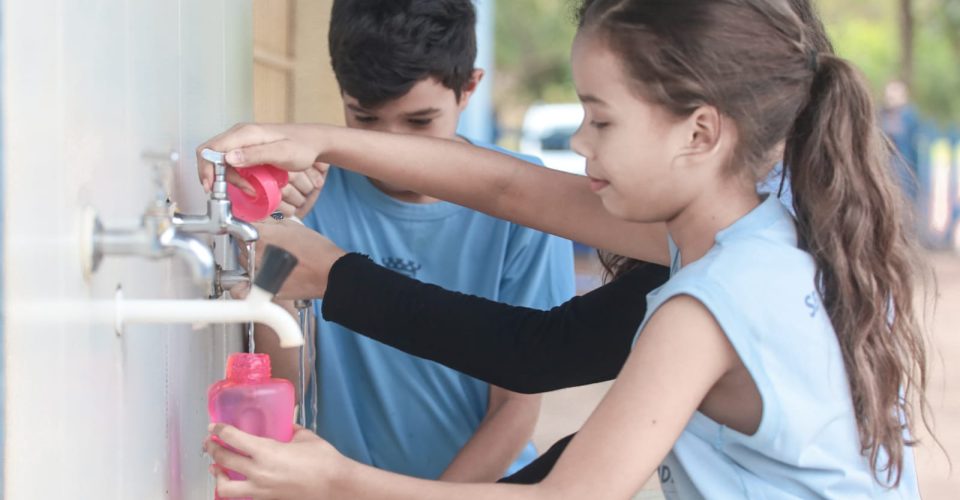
[365, 119]
[423, 122]
[599, 125]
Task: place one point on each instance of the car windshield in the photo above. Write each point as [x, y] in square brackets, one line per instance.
[557, 139]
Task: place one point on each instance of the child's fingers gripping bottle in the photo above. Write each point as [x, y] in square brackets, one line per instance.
[248, 398]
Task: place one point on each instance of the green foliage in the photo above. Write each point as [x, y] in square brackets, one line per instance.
[936, 86]
[867, 33]
[534, 38]
[870, 46]
[533, 50]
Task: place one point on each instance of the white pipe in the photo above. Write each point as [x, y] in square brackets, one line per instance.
[257, 308]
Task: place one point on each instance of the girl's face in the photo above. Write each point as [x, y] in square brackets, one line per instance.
[635, 150]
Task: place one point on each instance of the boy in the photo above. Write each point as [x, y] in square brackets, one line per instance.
[407, 67]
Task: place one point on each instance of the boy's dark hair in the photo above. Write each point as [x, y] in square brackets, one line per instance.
[381, 48]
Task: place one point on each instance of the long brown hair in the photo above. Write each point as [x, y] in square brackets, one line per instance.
[768, 65]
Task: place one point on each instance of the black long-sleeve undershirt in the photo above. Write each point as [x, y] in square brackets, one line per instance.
[583, 341]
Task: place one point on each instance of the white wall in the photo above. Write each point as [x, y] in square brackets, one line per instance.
[88, 85]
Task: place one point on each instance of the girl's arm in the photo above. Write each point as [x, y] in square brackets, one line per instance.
[680, 356]
[478, 178]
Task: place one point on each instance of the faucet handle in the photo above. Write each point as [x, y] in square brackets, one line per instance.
[275, 269]
[212, 156]
[219, 191]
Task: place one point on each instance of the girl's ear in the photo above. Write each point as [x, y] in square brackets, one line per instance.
[704, 131]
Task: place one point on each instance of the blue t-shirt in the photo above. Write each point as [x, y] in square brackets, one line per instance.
[759, 286]
[385, 408]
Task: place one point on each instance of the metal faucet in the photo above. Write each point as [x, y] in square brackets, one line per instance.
[225, 279]
[228, 276]
[155, 238]
[219, 217]
[218, 221]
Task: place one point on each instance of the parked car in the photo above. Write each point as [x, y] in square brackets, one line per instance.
[546, 133]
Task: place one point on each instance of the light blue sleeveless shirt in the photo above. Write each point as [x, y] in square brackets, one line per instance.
[760, 289]
[386, 408]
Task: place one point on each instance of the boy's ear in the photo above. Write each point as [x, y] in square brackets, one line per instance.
[470, 87]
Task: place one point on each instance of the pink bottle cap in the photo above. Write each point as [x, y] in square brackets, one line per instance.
[267, 181]
[248, 367]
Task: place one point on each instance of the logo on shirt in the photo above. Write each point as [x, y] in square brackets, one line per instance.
[664, 472]
[402, 266]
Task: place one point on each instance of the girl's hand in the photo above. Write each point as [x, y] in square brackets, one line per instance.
[301, 469]
[293, 147]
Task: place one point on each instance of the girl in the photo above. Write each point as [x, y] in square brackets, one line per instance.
[740, 385]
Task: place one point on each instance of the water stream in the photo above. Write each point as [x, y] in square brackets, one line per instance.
[251, 272]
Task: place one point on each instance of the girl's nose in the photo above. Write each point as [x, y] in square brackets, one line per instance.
[578, 142]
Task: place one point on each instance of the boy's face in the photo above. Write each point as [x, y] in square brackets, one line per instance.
[429, 109]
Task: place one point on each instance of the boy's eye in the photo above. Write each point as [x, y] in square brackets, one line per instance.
[420, 122]
[599, 125]
[365, 119]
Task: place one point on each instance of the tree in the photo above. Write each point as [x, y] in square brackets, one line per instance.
[950, 14]
[914, 40]
[906, 41]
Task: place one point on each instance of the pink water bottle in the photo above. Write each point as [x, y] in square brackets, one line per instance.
[251, 401]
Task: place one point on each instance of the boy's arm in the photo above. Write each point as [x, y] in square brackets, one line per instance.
[537, 272]
[502, 435]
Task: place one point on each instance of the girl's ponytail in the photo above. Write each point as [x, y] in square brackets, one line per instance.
[852, 218]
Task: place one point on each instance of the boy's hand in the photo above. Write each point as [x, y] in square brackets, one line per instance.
[303, 190]
[292, 147]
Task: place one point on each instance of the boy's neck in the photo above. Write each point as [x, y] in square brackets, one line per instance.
[407, 196]
[401, 194]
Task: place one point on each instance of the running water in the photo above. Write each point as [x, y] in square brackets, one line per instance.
[251, 272]
[314, 371]
[312, 356]
[308, 367]
[302, 313]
